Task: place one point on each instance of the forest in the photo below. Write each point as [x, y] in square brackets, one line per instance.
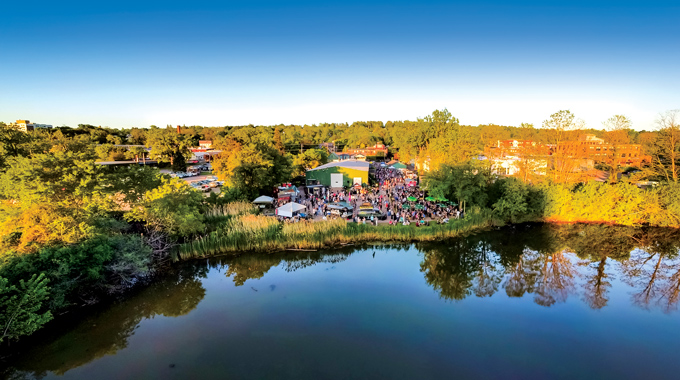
[73, 232]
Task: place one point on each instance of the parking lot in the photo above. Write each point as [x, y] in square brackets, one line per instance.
[198, 178]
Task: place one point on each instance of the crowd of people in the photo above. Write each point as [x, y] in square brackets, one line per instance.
[398, 199]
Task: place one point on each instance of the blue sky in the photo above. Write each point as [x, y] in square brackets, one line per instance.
[133, 63]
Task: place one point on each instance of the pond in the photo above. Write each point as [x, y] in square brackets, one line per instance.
[527, 301]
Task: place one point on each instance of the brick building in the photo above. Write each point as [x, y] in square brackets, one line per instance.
[515, 148]
[378, 150]
[597, 149]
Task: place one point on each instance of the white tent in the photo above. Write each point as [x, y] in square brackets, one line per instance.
[263, 199]
[289, 209]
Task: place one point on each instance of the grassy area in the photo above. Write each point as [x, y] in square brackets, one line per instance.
[259, 233]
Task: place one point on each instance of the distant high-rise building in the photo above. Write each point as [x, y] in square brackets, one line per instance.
[26, 125]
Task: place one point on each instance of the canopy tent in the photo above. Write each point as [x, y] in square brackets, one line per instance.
[263, 200]
[398, 165]
[430, 199]
[289, 209]
[441, 199]
[411, 199]
[419, 207]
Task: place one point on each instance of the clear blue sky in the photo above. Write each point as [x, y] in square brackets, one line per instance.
[132, 63]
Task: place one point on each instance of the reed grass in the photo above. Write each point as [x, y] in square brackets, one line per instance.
[249, 232]
[230, 210]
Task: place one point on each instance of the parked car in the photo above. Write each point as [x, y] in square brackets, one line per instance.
[199, 187]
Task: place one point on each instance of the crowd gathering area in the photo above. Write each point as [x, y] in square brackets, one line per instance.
[395, 198]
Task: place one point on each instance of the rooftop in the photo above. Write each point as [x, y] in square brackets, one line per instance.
[352, 164]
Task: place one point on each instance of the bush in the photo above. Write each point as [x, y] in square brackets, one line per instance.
[82, 273]
[22, 307]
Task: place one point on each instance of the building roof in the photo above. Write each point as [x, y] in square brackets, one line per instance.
[263, 199]
[351, 164]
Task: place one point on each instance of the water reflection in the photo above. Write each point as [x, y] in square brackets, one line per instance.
[553, 262]
[249, 267]
[106, 332]
[547, 264]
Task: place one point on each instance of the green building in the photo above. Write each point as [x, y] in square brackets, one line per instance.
[339, 174]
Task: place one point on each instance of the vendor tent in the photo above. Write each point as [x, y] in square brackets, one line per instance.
[289, 209]
[263, 200]
[411, 199]
[399, 165]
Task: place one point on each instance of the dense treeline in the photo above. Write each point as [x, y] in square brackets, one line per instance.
[73, 232]
[406, 137]
[514, 201]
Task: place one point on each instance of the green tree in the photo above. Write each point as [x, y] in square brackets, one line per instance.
[169, 146]
[22, 306]
[278, 142]
[310, 159]
[51, 198]
[252, 168]
[129, 183]
[137, 136]
[514, 204]
[466, 183]
[13, 143]
[173, 208]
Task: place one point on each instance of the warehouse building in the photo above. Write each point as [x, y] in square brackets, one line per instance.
[339, 174]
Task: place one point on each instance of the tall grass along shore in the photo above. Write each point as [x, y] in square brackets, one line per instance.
[248, 232]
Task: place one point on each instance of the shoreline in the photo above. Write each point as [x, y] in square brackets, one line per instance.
[352, 234]
[340, 234]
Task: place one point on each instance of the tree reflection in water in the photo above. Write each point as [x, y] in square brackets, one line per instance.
[172, 296]
[255, 266]
[548, 262]
[654, 271]
[552, 262]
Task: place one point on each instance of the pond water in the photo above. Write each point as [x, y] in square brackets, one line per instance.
[530, 301]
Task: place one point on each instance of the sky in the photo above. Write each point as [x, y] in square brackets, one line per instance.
[133, 63]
